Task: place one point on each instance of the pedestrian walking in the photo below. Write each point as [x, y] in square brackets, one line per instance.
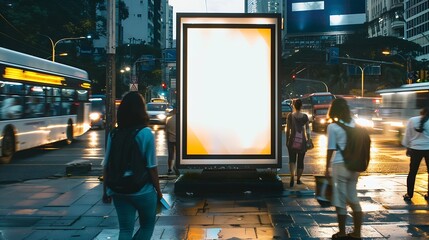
[132, 114]
[297, 134]
[344, 181]
[170, 126]
[416, 140]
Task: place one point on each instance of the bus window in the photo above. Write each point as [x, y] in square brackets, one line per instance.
[11, 107]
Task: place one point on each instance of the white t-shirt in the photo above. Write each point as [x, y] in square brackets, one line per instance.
[337, 136]
[414, 139]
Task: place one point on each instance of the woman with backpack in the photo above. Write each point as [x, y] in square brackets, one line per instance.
[297, 134]
[132, 119]
[416, 140]
[344, 180]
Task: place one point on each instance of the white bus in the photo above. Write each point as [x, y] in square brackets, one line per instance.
[40, 102]
[398, 105]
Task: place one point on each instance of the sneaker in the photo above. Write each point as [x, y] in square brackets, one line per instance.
[169, 172]
[298, 182]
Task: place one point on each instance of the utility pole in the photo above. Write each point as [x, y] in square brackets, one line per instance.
[110, 68]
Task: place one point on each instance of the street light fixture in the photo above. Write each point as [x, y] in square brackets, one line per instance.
[54, 44]
[59, 55]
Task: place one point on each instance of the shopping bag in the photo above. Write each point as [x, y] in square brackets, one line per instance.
[323, 190]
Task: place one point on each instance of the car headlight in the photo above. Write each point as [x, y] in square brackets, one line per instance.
[94, 116]
[161, 116]
[322, 121]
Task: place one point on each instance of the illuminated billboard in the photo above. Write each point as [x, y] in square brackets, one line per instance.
[318, 17]
[228, 90]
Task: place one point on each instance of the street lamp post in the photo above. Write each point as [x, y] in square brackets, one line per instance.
[54, 44]
[362, 69]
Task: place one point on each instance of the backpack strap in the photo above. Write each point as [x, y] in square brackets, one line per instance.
[343, 126]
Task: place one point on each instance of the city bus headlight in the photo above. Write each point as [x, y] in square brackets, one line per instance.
[94, 116]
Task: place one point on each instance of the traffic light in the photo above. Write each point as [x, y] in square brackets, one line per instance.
[164, 86]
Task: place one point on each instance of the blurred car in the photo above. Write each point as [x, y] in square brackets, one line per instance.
[320, 121]
[364, 117]
[97, 112]
[286, 109]
[157, 112]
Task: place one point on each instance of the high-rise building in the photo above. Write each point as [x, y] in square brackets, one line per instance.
[167, 26]
[417, 24]
[385, 18]
[145, 21]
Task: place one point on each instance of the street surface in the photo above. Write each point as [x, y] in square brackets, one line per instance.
[50, 161]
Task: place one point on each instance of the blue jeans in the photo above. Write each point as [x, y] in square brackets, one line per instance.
[126, 207]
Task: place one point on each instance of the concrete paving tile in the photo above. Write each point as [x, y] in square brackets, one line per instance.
[394, 231]
[283, 210]
[170, 233]
[83, 234]
[221, 233]
[184, 220]
[100, 210]
[87, 221]
[46, 221]
[367, 231]
[321, 232]
[264, 219]
[303, 219]
[381, 216]
[43, 195]
[90, 198]
[107, 234]
[198, 233]
[325, 218]
[281, 220]
[296, 232]
[419, 217]
[22, 212]
[271, 233]
[236, 219]
[69, 197]
[74, 210]
[233, 210]
[190, 203]
[65, 221]
[18, 221]
[35, 203]
[19, 233]
[109, 222]
[7, 201]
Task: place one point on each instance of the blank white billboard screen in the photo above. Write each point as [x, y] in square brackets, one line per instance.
[229, 98]
[222, 64]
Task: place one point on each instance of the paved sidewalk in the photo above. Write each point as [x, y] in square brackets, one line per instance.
[70, 208]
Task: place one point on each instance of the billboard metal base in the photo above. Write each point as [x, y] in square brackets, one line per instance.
[212, 182]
